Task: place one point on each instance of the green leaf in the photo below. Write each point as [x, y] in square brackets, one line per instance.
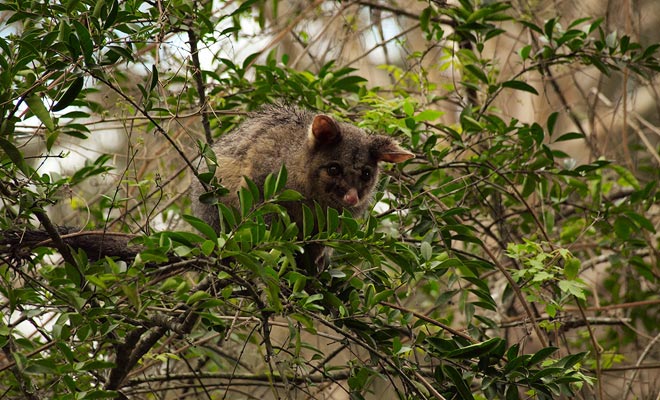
[51, 138]
[640, 221]
[424, 18]
[35, 105]
[524, 52]
[626, 176]
[573, 287]
[477, 72]
[269, 186]
[570, 360]
[86, 43]
[98, 8]
[578, 21]
[475, 350]
[428, 115]
[197, 297]
[246, 201]
[462, 387]
[530, 185]
[426, 250]
[332, 219]
[114, 52]
[14, 155]
[349, 83]
[112, 15]
[512, 393]
[408, 108]
[551, 122]
[572, 268]
[570, 136]
[289, 195]
[548, 28]
[545, 372]
[131, 293]
[520, 85]
[532, 26]
[298, 281]
[381, 296]
[207, 247]
[201, 226]
[156, 256]
[320, 216]
[308, 221]
[540, 356]
[154, 77]
[623, 227]
[186, 238]
[441, 346]
[611, 40]
[70, 95]
[470, 124]
[282, 177]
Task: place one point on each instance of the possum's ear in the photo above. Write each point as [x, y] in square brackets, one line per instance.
[324, 131]
[386, 149]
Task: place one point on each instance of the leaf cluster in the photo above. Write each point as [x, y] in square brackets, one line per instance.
[475, 275]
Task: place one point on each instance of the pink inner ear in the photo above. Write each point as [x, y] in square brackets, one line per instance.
[395, 155]
[324, 129]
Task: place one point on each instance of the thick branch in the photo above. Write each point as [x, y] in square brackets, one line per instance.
[140, 341]
[97, 244]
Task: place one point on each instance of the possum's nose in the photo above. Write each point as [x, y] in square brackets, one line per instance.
[351, 197]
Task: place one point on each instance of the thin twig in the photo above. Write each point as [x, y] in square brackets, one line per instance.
[598, 349]
[431, 321]
[641, 358]
[199, 82]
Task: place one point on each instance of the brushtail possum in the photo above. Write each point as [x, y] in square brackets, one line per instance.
[328, 161]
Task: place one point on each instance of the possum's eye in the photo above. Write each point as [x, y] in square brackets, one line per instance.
[334, 170]
[366, 174]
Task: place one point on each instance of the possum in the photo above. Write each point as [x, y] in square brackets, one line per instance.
[330, 162]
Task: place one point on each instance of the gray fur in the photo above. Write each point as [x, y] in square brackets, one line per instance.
[313, 147]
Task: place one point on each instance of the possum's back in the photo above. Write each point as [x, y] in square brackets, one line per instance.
[267, 139]
[267, 135]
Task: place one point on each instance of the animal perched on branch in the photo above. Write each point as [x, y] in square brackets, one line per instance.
[329, 162]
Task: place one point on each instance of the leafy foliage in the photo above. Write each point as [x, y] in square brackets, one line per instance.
[485, 270]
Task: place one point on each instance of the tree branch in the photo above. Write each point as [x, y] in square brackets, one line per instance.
[199, 82]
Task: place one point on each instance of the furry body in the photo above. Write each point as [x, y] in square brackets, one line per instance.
[333, 163]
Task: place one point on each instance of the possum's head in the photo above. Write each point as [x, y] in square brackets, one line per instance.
[343, 163]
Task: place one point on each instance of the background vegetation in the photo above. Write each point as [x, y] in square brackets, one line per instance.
[517, 256]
